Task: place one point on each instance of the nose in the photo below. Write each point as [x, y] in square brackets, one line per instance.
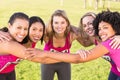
[38, 33]
[23, 32]
[59, 25]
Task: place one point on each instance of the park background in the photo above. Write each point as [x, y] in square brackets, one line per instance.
[27, 70]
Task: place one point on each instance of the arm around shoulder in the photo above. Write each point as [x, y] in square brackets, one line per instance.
[12, 47]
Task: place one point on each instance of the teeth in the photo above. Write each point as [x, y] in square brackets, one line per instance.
[36, 38]
[20, 36]
[103, 36]
[90, 31]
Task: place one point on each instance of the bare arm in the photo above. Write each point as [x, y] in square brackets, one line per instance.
[98, 51]
[80, 36]
[37, 58]
[14, 48]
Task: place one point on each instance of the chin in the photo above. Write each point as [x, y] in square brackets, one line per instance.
[19, 40]
[34, 41]
[104, 39]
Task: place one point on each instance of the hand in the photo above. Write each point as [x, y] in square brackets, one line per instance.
[83, 53]
[5, 36]
[32, 53]
[115, 43]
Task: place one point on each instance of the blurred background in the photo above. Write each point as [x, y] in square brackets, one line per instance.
[26, 70]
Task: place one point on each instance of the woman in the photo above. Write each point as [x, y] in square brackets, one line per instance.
[18, 29]
[59, 37]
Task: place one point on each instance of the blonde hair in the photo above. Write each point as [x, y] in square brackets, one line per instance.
[49, 31]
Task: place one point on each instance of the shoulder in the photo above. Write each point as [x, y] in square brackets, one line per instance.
[72, 36]
[106, 44]
[111, 50]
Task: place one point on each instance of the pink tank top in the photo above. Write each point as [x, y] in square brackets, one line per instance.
[49, 46]
[4, 59]
[9, 58]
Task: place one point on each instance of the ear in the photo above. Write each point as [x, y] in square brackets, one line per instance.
[9, 25]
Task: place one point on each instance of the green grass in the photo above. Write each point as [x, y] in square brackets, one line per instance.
[26, 70]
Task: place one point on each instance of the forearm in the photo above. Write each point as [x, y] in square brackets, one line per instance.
[85, 42]
[76, 58]
[14, 48]
[45, 60]
[64, 57]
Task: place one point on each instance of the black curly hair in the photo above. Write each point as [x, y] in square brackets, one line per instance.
[113, 18]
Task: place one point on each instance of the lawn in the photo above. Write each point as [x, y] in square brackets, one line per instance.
[26, 70]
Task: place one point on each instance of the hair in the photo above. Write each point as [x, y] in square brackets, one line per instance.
[15, 16]
[35, 19]
[83, 34]
[4, 29]
[113, 18]
[19, 15]
[61, 13]
[85, 15]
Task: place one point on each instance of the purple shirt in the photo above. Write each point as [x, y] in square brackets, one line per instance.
[114, 55]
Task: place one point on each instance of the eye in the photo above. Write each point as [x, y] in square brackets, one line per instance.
[55, 22]
[33, 29]
[89, 23]
[41, 30]
[19, 27]
[84, 26]
[105, 27]
[62, 22]
[26, 29]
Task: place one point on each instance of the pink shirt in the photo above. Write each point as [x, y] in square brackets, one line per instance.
[9, 58]
[114, 55]
[49, 46]
[5, 59]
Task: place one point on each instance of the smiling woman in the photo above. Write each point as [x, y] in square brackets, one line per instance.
[18, 29]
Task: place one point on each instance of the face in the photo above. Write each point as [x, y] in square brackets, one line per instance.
[19, 29]
[36, 32]
[87, 25]
[59, 24]
[105, 31]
